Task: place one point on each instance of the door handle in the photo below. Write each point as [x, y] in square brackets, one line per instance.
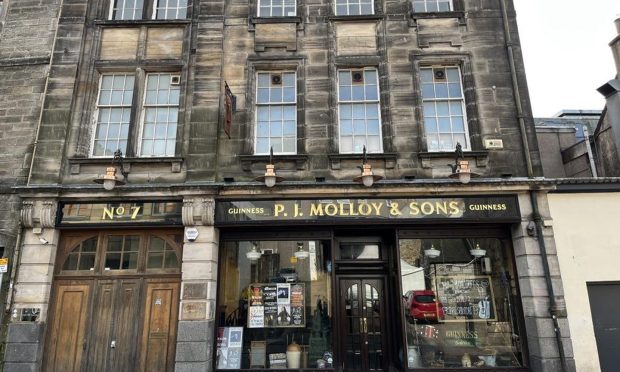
[365, 325]
[113, 344]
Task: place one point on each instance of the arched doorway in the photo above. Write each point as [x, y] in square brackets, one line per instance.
[114, 301]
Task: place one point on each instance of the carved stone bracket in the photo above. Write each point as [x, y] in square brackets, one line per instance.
[198, 212]
[39, 214]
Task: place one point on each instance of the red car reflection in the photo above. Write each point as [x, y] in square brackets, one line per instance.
[423, 306]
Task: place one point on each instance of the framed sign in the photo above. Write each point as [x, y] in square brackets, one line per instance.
[229, 345]
[466, 298]
[277, 305]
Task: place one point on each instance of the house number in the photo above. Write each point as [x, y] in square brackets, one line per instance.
[118, 212]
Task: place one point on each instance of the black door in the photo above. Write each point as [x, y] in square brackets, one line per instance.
[604, 299]
[362, 323]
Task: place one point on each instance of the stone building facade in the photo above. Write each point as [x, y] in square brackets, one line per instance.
[166, 259]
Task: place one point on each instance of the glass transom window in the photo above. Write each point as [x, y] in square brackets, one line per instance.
[358, 111]
[277, 8]
[424, 6]
[276, 112]
[444, 108]
[354, 7]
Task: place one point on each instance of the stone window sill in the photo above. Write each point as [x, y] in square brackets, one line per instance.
[388, 158]
[481, 157]
[367, 17]
[294, 19]
[174, 162]
[140, 22]
[247, 160]
[424, 15]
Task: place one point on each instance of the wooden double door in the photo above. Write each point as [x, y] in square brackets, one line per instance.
[126, 324]
[114, 304]
[363, 323]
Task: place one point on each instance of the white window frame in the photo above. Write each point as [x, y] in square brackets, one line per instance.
[145, 3]
[358, 2]
[272, 104]
[426, 3]
[137, 16]
[134, 140]
[377, 102]
[99, 107]
[271, 6]
[465, 146]
[156, 6]
[143, 118]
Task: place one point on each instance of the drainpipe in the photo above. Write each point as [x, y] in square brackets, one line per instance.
[553, 306]
[17, 252]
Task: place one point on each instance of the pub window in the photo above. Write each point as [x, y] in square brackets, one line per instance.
[358, 111]
[423, 6]
[160, 254]
[354, 7]
[276, 113]
[136, 9]
[444, 108]
[277, 8]
[460, 303]
[274, 294]
[157, 119]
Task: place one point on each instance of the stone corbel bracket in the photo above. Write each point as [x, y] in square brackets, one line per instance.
[39, 214]
[198, 212]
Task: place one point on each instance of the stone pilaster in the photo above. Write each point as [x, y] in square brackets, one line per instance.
[195, 336]
[33, 283]
[541, 339]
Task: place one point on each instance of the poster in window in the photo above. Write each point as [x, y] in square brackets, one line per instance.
[229, 344]
[276, 305]
[466, 297]
[284, 294]
[270, 297]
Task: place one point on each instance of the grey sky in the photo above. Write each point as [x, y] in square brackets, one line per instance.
[566, 51]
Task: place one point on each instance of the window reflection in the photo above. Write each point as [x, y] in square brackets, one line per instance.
[459, 306]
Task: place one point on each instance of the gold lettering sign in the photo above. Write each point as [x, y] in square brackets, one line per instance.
[475, 208]
[111, 213]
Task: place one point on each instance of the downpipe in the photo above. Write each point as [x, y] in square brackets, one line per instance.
[538, 222]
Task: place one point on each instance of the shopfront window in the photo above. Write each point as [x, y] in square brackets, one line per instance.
[460, 303]
[274, 305]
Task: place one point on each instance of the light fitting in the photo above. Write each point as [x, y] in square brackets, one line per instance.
[270, 178]
[478, 252]
[367, 178]
[301, 254]
[461, 168]
[432, 252]
[109, 179]
[253, 254]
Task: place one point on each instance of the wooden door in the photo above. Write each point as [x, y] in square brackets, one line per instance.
[66, 338]
[362, 323]
[114, 329]
[159, 326]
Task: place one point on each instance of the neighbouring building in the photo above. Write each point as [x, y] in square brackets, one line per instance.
[585, 221]
[193, 255]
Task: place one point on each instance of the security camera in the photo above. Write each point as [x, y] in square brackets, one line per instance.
[44, 241]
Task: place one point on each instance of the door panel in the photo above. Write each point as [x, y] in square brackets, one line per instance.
[159, 329]
[125, 325]
[100, 327]
[603, 298]
[66, 339]
[362, 303]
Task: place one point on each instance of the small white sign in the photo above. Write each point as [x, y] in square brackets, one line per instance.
[191, 233]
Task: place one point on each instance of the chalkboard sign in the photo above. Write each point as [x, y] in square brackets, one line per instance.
[466, 298]
[277, 305]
